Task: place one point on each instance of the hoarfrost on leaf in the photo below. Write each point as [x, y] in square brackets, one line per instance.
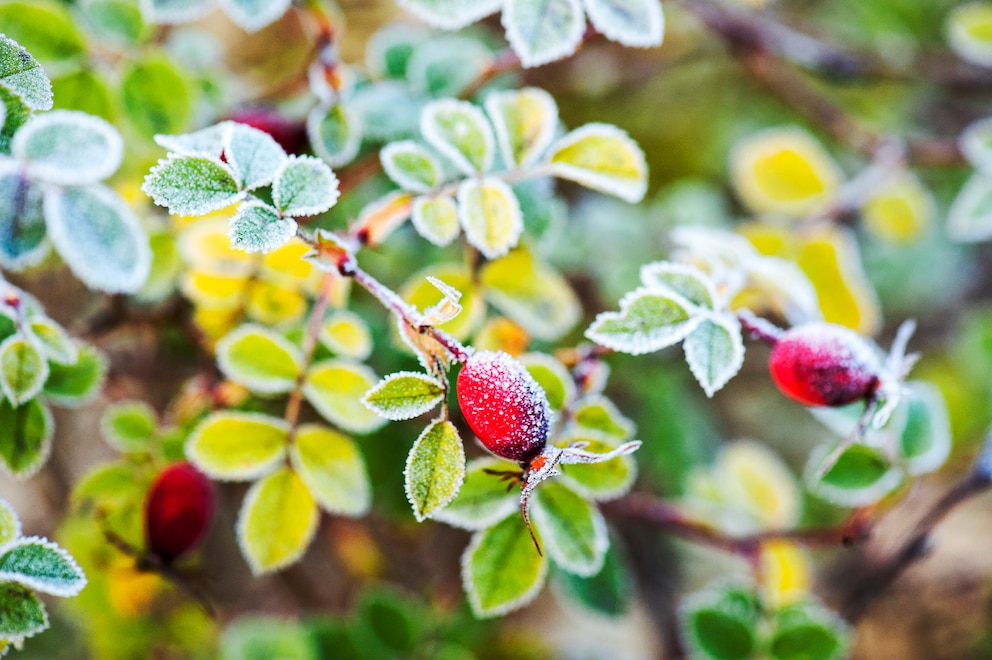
[638, 23]
[254, 156]
[450, 14]
[68, 148]
[490, 214]
[257, 227]
[542, 32]
[304, 185]
[461, 132]
[192, 185]
[172, 12]
[253, 15]
[22, 76]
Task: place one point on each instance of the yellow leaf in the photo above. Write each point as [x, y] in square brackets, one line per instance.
[502, 334]
[131, 592]
[277, 521]
[969, 32]
[215, 322]
[604, 158]
[271, 304]
[418, 291]
[786, 572]
[204, 245]
[286, 266]
[753, 479]
[346, 333]
[901, 211]
[204, 288]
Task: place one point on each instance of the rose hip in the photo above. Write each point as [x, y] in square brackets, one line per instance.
[179, 509]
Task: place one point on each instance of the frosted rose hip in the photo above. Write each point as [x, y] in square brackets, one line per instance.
[504, 406]
[823, 364]
[179, 508]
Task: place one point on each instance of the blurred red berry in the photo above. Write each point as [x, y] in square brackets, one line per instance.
[291, 135]
[179, 509]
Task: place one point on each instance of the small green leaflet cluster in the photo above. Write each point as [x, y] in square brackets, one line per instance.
[729, 622]
[218, 166]
[29, 564]
[249, 15]
[501, 570]
[542, 31]
[39, 364]
[50, 190]
[296, 471]
[521, 125]
[915, 440]
[969, 219]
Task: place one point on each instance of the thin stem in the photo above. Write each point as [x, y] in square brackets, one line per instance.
[316, 319]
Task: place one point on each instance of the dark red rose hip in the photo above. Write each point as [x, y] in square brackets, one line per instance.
[504, 406]
[179, 508]
[824, 364]
[291, 135]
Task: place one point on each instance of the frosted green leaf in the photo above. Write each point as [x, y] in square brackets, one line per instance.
[542, 32]
[714, 351]
[207, 142]
[253, 15]
[808, 631]
[23, 77]
[969, 219]
[648, 321]
[460, 132]
[335, 133]
[525, 121]
[266, 637]
[436, 219]
[684, 279]
[99, 237]
[967, 31]
[52, 339]
[84, 90]
[25, 437]
[174, 11]
[22, 614]
[721, 624]
[450, 14]
[604, 158]
[925, 439]
[483, 499]
[404, 395]
[332, 468]
[22, 220]
[599, 481]
[128, 426]
[257, 227]
[192, 185]
[41, 565]
[552, 376]
[44, 27]
[501, 569]
[157, 99]
[260, 359]
[118, 21]
[597, 413]
[68, 148]
[489, 213]
[74, 385]
[23, 370]
[531, 293]
[346, 334]
[573, 531]
[638, 23]
[862, 475]
[336, 389]
[388, 50]
[237, 446]
[385, 110]
[277, 521]
[410, 166]
[14, 115]
[254, 156]
[10, 524]
[609, 593]
[304, 186]
[975, 143]
[435, 469]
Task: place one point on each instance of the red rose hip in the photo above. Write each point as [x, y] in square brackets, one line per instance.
[504, 406]
[291, 135]
[179, 508]
[824, 364]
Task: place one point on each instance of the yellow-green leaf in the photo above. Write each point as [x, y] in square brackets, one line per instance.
[336, 389]
[483, 499]
[489, 213]
[435, 468]
[969, 32]
[331, 466]
[237, 445]
[277, 521]
[55, 343]
[260, 359]
[552, 376]
[23, 370]
[346, 334]
[599, 481]
[419, 292]
[573, 531]
[525, 121]
[404, 395]
[436, 218]
[604, 158]
[501, 569]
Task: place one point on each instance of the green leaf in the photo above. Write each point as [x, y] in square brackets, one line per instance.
[969, 219]
[976, 144]
[253, 15]
[52, 339]
[128, 426]
[23, 77]
[648, 321]
[46, 29]
[715, 351]
[277, 521]
[861, 476]
[483, 500]
[41, 565]
[531, 293]
[599, 481]
[396, 621]
[83, 90]
[388, 50]
[10, 524]
[684, 279]
[638, 23]
[460, 132]
[74, 385]
[525, 121]
[597, 413]
[99, 237]
[14, 114]
[925, 441]
[384, 111]
[254, 156]
[157, 98]
[165, 268]
[207, 142]
[346, 334]
[260, 359]
[174, 11]
[450, 14]
[304, 185]
[542, 32]
[436, 219]
[23, 370]
[22, 221]
[118, 21]
[489, 213]
[404, 395]
[335, 133]
[25, 436]
[807, 631]
[411, 166]
[336, 389]
[331, 466]
[501, 569]
[192, 185]
[607, 593]
[260, 637]
[604, 158]
[238, 446]
[435, 469]
[552, 376]
[966, 27]
[573, 531]
[721, 624]
[22, 614]
[257, 227]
